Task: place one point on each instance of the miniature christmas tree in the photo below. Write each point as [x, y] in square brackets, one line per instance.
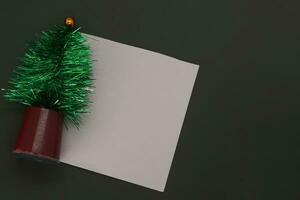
[54, 81]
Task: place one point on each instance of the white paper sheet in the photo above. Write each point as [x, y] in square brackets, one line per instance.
[139, 103]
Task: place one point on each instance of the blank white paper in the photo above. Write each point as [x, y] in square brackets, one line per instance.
[139, 103]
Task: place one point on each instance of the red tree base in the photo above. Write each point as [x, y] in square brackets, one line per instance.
[40, 135]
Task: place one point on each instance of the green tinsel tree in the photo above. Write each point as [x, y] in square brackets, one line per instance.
[55, 73]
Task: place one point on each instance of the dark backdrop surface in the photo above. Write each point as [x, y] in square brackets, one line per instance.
[241, 136]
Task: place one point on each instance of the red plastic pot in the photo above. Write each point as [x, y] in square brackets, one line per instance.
[40, 135]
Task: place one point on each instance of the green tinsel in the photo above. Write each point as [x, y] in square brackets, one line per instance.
[55, 73]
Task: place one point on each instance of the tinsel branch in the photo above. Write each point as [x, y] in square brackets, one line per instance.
[55, 73]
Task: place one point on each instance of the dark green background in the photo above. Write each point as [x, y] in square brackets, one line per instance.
[241, 136]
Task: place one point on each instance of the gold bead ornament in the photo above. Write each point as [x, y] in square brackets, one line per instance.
[70, 22]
